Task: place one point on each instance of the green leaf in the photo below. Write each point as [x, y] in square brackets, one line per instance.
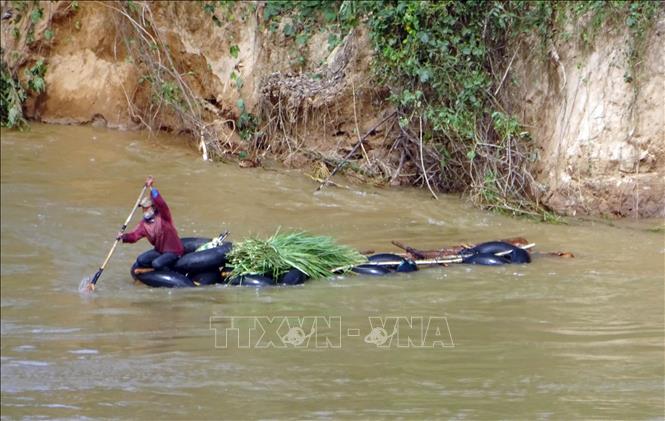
[329, 14]
[471, 155]
[209, 7]
[36, 15]
[234, 50]
[424, 75]
[240, 103]
[273, 8]
[333, 41]
[302, 39]
[37, 84]
[289, 30]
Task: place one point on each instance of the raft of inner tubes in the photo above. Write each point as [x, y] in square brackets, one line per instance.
[206, 267]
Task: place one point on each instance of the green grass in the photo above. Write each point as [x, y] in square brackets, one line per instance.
[316, 256]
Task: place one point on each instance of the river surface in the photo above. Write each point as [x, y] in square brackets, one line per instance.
[557, 339]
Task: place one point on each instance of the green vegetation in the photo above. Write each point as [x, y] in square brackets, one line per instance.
[170, 94]
[35, 77]
[446, 63]
[247, 123]
[315, 256]
[13, 93]
[12, 96]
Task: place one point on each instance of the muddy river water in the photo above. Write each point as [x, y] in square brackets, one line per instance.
[559, 338]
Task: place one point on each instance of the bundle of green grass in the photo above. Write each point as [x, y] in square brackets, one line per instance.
[315, 256]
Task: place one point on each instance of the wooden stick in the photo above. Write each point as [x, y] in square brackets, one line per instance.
[450, 259]
[451, 250]
[440, 261]
[422, 159]
[506, 73]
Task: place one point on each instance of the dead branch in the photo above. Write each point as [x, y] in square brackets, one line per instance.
[360, 141]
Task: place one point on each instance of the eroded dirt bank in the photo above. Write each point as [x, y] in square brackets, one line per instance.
[599, 137]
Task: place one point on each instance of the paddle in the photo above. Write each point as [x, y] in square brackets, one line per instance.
[90, 286]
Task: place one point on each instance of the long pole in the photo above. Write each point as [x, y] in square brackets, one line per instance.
[95, 278]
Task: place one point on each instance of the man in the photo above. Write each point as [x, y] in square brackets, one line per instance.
[157, 226]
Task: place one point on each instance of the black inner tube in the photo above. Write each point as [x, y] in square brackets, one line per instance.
[190, 244]
[207, 278]
[165, 279]
[204, 260]
[485, 259]
[512, 254]
[293, 277]
[373, 270]
[252, 281]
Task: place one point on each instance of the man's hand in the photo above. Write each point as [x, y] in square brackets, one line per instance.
[119, 236]
[149, 181]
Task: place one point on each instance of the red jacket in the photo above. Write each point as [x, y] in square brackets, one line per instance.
[160, 231]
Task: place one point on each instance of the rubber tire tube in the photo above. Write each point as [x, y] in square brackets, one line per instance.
[372, 270]
[256, 281]
[386, 257]
[485, 259]
[407, 266]
[516, 255]
[165, 279]
[207, 278]
[190, 244]
[293, 277]
[204, 260]
[491, 247]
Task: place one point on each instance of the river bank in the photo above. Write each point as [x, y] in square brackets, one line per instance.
[257, 83]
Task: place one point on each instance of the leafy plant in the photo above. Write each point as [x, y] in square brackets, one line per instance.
[169, 92]
[36, 15]
[316, 256]
[247, 122]
[35, 77]
[12, 96]
[234, 50]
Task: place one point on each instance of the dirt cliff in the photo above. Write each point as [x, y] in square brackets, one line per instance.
[600, 130]
[599, 135]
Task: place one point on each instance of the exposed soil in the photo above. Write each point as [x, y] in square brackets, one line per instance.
[600, 141]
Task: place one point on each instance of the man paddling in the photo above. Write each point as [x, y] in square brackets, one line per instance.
[157, 226]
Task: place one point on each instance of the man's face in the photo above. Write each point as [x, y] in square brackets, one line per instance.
[148, 212]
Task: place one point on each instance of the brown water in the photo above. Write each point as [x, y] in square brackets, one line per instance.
[563, 339]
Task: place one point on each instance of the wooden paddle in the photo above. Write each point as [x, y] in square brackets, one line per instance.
[90, 286]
